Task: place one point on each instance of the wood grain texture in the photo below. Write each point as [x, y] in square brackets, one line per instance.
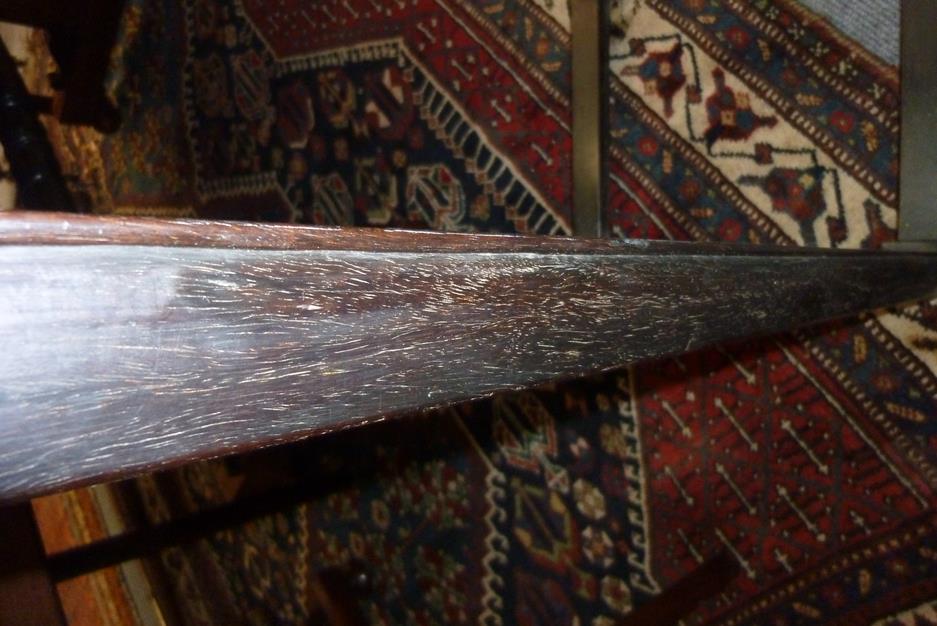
[116, 359]
[33, 228]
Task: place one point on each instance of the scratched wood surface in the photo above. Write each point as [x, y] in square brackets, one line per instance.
[127, 345]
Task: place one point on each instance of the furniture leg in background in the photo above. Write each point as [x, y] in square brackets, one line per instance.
[27, 591]
[81, 36]
[27, 576]
[33, 164]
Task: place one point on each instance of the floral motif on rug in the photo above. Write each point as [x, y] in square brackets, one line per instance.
[755, 122]
[383, 114]
[527, 508]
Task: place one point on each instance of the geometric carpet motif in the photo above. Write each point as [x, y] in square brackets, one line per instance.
[527, 508]
[811, 458]
[784, 451]
[352, 131]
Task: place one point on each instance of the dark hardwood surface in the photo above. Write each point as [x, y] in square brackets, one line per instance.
[34, 228]
[175, 341]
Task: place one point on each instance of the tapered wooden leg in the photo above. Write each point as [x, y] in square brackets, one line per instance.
[334, 592]
[678, 601]
[27, 594]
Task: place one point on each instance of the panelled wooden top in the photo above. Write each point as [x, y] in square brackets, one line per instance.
[131, 344]
[34, 228]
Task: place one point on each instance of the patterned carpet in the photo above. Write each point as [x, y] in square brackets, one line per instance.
[811, 457]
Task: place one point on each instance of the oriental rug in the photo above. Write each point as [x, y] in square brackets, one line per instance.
[810, 457]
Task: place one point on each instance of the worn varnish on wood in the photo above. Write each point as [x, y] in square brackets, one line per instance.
[174, 341]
